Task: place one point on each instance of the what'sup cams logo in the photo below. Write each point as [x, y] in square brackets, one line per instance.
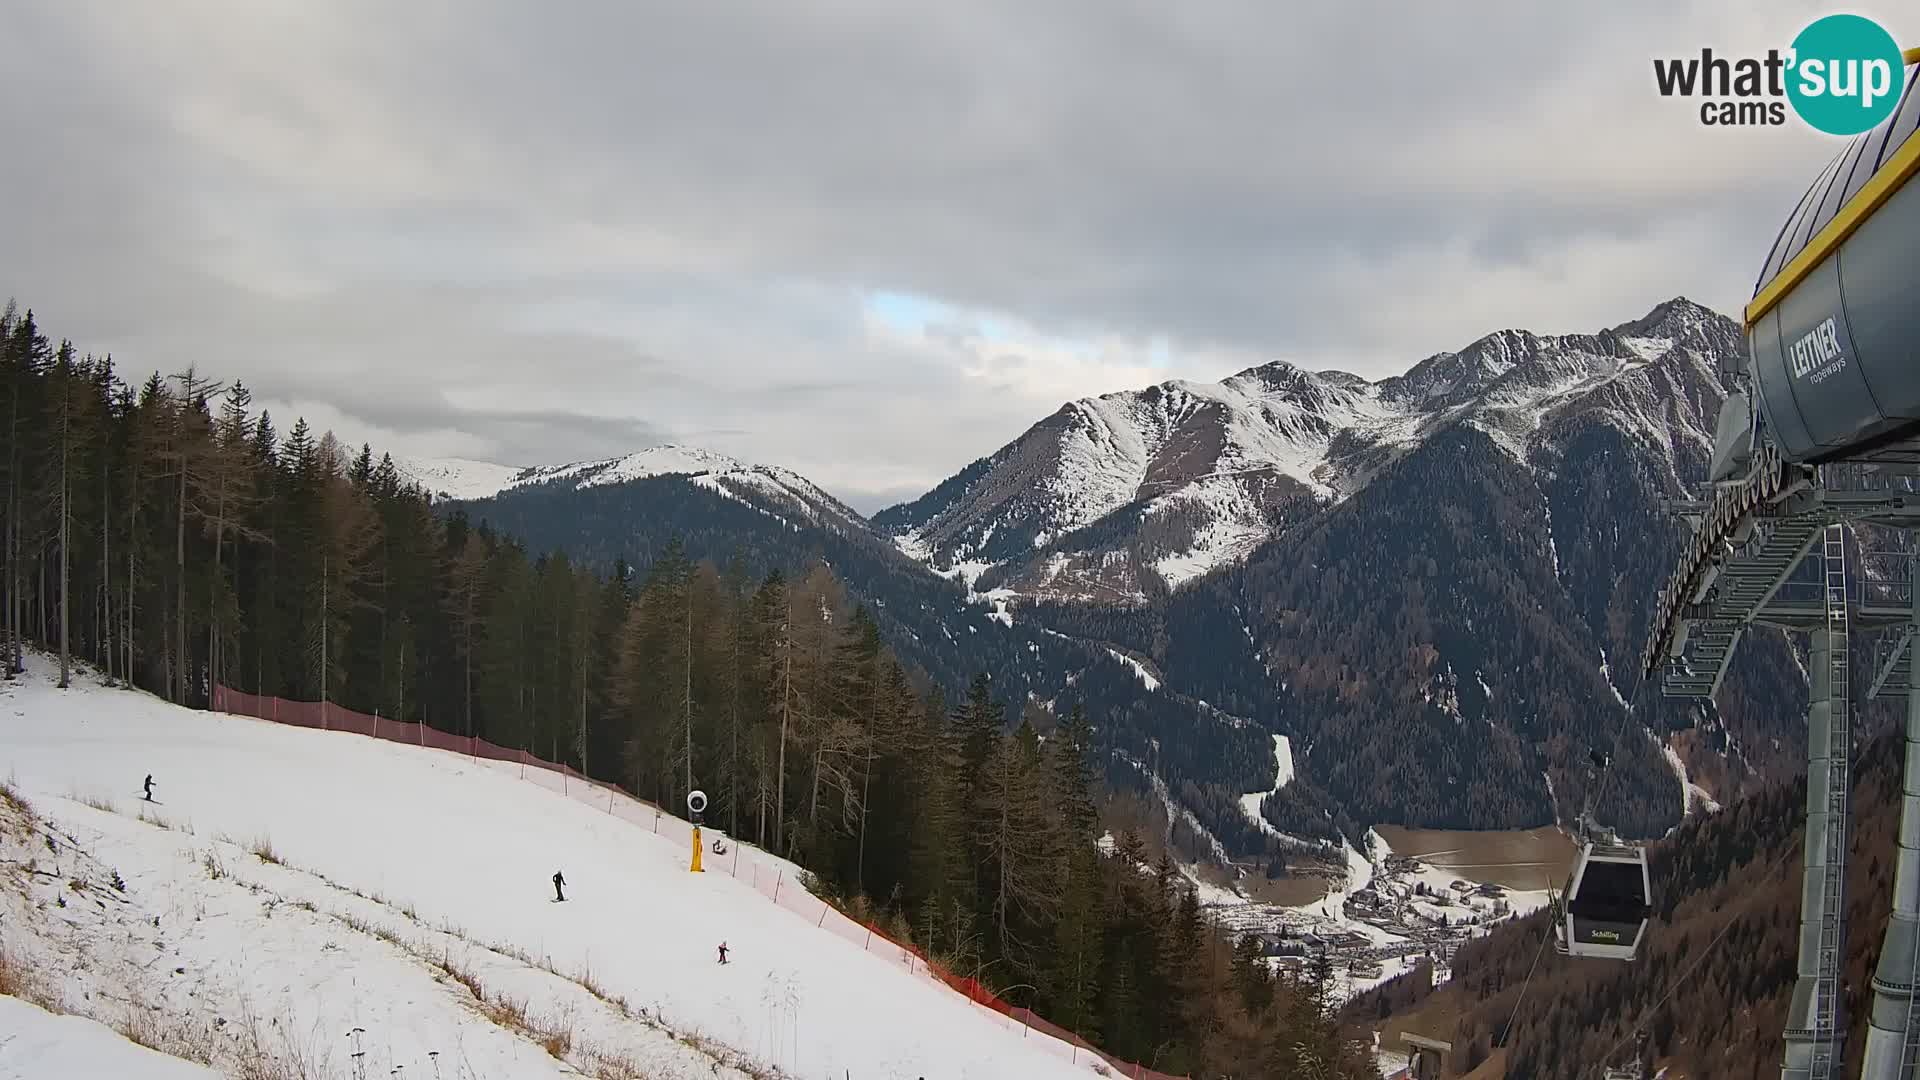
[1842, 76]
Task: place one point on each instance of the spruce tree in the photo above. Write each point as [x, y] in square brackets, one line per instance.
[67, 407]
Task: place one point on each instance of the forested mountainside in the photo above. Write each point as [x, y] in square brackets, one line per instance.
[1428, 604]
[1440, 644]
[166, 536]
[1713, 1010]
[1207, 758]
[1432, 628]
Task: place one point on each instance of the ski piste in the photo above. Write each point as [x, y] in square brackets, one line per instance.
[457, 842]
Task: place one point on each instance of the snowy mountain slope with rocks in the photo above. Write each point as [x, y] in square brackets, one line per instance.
[1449, 619]
[291, 887]
[1127, 494]
[771, 489]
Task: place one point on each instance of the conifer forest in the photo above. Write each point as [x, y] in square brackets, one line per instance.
[163, 533]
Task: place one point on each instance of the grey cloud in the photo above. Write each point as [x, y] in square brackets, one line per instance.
[520, 436]
[555, 234]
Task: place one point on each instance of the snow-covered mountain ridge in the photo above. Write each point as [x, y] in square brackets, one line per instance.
[1124, 495]
[458, 478]
[768, 487]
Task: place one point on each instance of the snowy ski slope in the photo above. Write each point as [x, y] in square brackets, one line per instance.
[454, 858]
[35, 1043]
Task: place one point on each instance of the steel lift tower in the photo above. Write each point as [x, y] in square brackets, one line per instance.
[1817, 446]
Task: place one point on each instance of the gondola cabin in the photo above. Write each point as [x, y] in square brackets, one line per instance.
[1608, 903]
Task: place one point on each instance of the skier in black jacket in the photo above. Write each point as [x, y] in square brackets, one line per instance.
[557, 882]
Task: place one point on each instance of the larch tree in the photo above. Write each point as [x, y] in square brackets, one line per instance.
[189, 454]
[69, 403]
[1018, 833]
[469, 582]
[348, 532]
[226, 492]
[27, 354]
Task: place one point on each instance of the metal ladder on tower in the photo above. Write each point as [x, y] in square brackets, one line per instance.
[1910, 1043]
[1826, 1005]
[1910, 1046]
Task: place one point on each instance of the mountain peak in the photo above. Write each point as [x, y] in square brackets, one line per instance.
[667, 459]
[1454, 377]
[1271, 369]
[1674, 317]
[1344, 379]
[1273, 376]
[1673, 322]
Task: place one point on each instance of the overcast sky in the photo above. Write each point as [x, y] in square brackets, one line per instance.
[870, 240]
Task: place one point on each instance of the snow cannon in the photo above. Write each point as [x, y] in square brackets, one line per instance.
[696, 805]
[1833, 331]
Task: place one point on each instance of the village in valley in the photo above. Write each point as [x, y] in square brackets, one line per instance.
[1381, 917]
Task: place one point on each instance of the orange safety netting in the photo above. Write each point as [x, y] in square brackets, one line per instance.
[761, 871]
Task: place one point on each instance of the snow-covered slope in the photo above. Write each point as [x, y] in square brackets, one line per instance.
[1117, 496]
[668, 460]
[36, 1043]
[408, 876]
[766, 486]
[458, 478]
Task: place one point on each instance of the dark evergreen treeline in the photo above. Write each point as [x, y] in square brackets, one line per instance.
[175, 539]
[1220, 748]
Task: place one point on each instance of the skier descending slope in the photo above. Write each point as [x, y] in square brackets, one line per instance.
[723, 952]
[149, 787]
[558, 881]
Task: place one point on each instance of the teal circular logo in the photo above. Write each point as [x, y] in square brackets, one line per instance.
[1845, 74]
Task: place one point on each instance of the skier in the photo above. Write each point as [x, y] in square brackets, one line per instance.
[149, 787]
[723, 952]
[558, 881]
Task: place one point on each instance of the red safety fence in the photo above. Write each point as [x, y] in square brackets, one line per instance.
[765, 873]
